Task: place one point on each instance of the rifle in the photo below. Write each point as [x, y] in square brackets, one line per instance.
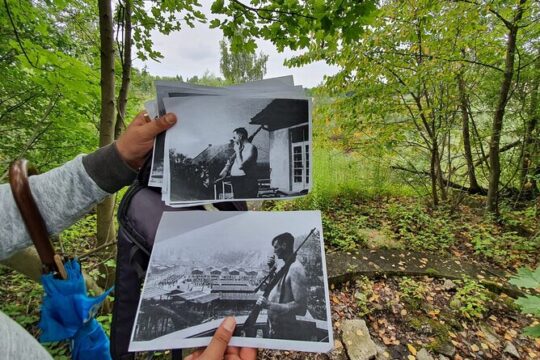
[226, 170]
[249, 325]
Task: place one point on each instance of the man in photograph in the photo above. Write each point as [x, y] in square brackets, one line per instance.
[289, 297]
[241, 166]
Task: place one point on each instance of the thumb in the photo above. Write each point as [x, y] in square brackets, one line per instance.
[163, 123]
[221, 339]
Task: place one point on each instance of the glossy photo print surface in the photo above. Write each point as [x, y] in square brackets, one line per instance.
[267, 269]
[239, 148]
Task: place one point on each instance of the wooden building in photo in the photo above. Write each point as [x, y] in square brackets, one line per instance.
[287, 121]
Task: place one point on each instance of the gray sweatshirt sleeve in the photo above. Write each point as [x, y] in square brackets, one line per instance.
[63, 195]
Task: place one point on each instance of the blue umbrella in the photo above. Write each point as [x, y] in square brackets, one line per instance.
[67, 311]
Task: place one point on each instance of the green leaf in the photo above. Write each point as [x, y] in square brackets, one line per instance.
[217, 6]
[529, 304]
[527, 278]
[319, 6]
[532, 331]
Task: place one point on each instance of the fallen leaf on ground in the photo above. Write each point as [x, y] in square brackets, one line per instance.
[411, 349]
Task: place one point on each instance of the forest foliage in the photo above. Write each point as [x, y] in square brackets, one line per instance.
[427, 138]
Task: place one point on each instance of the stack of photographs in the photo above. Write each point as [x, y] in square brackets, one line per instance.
[243, 142]
[267, 269]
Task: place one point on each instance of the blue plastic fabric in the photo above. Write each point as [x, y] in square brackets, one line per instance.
[68, 313]
[90, 343]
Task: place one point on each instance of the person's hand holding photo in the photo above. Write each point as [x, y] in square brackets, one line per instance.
[138, 138]
[219, 346]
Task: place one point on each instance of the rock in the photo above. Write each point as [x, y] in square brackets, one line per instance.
[448, 285]
[491, 336]
[442, 357]
[446, 348]
[382, 351]
[423, 355]
[511, 350]
[338, 353]
[357, 341]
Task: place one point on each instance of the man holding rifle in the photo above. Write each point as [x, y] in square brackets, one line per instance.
[289, 297]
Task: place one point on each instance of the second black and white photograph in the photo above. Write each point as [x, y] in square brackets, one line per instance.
[267, 269]
[238, 148]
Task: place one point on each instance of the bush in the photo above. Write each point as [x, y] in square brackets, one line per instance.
[471, 299]
[420, 230]
[413, 291]
[502, 248]
[362, 295]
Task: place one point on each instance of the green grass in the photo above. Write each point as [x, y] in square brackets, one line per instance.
[341, 174]
[342, 183]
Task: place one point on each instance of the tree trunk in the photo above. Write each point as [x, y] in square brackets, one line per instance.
[126, 70]
[438, 170]
[529, 186]
[105, 225]
[433, 175]
[492, 205]
[473, 183]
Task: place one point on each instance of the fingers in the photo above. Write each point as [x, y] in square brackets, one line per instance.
[232, 350]
[194, 355]
[221, 339]
[163, 123]
[248, 354]
[140, 119]
[235, 353]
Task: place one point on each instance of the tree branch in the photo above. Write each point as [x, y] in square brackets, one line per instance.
[501, 150]
[275, 11]
[17, 36]
[453, 185]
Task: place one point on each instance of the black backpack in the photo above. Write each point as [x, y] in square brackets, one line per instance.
[139, 214]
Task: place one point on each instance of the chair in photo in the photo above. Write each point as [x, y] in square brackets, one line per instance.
[223, 190]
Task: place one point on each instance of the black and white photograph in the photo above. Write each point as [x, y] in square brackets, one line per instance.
[239, 148]
[164, 89]
[267, 269]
